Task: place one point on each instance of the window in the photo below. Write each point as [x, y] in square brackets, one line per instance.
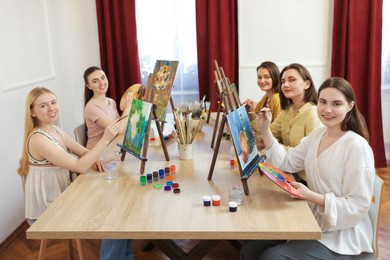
[166, 30]
[386, 76]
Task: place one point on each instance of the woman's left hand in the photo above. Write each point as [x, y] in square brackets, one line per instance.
[99, 165]
[302, 189]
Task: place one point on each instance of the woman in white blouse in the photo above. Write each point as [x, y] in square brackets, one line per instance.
[339, 165]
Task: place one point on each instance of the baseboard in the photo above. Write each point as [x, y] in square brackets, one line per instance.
[14, 235]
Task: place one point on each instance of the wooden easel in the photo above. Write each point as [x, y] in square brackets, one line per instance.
[230, 102]
[222, 88]
[148, 96]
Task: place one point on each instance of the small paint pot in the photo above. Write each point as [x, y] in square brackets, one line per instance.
[206, 201]
[155, 176]
[149, 177]
[232, 163]
[167, 188]
[176, 190]
[158, 185]
[233, 206]
[216, 200]
[170, 178]
[175, 185]
[169, 183]
[167, 171]
[142, 180]
[161, 173]
[172, 169]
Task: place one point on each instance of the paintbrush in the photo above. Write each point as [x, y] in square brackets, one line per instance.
[120, 119]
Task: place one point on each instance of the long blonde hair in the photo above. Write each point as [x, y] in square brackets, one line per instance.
[30, 123]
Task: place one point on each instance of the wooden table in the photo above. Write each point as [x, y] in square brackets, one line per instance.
[93, 207]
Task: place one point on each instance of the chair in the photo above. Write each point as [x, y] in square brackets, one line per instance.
[43, 246]
[80, 134]
[374, 210]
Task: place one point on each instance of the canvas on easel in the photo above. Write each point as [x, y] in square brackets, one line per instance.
[137, 126]
[162, 83]
[243, 141]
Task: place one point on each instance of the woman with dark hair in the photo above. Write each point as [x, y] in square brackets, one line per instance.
[339, 165]
[298, 99]
[268, 80]
[100, 110]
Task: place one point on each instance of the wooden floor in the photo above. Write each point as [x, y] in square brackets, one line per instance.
[21, 248]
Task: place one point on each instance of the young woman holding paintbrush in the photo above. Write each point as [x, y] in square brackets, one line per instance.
[268, 81]
[340, 170]
[100, 110]
[45, 161]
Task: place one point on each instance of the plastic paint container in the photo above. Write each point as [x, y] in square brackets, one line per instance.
[233, 206]
[172, 169]
[206, 201]
[216, 200]
[142, 180]
[161, 173]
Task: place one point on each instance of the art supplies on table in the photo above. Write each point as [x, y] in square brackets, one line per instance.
[279, 178]
[185, 130]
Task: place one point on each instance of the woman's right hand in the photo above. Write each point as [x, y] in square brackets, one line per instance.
[264, 118]
[111, 131]
[249, 105]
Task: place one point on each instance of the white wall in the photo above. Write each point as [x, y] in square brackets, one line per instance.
[284, 32]
[43, 43]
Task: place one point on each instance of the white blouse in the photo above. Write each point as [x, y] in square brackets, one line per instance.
[344, 173]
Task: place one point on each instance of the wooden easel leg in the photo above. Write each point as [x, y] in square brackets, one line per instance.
[123, 155]
[245, 186]
[42, 249]
[216, 125]
[219, 138]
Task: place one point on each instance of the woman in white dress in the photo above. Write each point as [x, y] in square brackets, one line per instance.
[48, 153]
[339, 165]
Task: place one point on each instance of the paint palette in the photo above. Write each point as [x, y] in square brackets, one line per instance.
[279, 178]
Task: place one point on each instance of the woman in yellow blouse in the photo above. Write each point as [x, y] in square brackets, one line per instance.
[268, 80]
[298, 98]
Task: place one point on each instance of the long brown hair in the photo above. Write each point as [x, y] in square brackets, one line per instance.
[310, 93]
[88, 94]
[353, 120]
[30, 123]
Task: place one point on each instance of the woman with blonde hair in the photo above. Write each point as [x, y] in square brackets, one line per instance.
[48, 153]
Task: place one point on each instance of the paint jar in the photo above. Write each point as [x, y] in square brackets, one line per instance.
[216, 199]
[161, 173]
[185, 151]
[149, 177]
[111, 171]
[236, 193]
[142, 180]
[155, 176]
[233, 206]
[206, 201]
[172, 169]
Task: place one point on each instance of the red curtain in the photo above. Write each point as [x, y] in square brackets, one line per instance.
[217, 39]
[356, 56]
[118, 44]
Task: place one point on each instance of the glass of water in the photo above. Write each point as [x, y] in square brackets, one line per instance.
[111, 170]
[236, 193]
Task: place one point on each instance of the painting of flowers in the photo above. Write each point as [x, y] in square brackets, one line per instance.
[163, 76]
